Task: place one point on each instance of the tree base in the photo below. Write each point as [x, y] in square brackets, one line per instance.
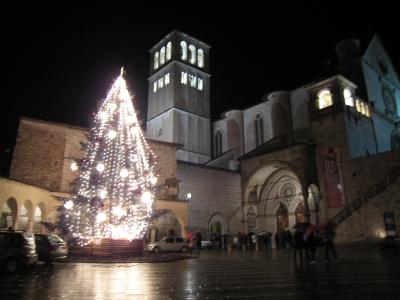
[110, 247]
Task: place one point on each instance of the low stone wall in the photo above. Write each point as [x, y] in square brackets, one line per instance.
[367, 222]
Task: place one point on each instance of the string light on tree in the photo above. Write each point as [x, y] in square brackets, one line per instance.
[116, 182]
[74, 166]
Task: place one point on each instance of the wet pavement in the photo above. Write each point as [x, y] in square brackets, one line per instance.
[362, 273]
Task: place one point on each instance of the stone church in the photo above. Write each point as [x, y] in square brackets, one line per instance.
[328, 150]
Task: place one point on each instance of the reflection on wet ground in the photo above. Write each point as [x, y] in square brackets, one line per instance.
[360, 274]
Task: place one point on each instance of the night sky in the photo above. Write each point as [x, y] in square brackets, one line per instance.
[60, 62]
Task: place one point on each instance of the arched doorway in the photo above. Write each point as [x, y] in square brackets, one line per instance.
[9, 214]
[251, 220]
[282, 218]
[38, 217]
[25, 215]
[299, 213]
[217, 229]
[165, 224]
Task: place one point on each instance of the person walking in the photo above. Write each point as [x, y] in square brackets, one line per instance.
[198, 242]
[328, 235]
[277, 240]
[289, 239]
[299, 243]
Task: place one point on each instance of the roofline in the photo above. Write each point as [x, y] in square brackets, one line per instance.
[177, 145]
[205, 45]
[44, 122]
[206, 167]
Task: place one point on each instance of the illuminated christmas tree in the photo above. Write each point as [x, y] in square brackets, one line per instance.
[114, 192]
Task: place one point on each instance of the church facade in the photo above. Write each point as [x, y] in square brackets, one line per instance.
[329, 150]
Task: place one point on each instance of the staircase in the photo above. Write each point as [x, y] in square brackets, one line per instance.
[364, 197]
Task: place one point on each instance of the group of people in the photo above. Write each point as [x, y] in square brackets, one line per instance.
[304, 239]
[283, 239]
[194, 238]
[308, 237]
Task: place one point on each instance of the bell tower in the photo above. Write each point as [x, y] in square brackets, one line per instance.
[179, 96]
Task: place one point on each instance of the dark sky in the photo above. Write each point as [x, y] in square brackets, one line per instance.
[60, 62]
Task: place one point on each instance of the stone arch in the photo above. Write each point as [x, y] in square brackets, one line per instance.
[258, 177]
[217, 225]
[282, 188]
[9, 214]
[38, 216]
[282, 217]
[251, 217]
[26, 216]
[166, 223]
[299, 213]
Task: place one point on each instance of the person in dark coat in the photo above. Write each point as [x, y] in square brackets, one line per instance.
[289, 239]
[299, 243]
[198, 241]
[328, 235]
[277, 240]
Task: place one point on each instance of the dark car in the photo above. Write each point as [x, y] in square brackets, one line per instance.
[50, 247]
[17, 250]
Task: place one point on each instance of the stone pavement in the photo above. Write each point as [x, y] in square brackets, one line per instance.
[362, 273]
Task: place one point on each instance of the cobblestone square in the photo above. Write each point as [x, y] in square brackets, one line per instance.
[361, 273]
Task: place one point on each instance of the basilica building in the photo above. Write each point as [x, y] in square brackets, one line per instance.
[325, 151]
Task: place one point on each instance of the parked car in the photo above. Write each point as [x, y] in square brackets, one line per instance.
[207, 245]
[169, 244]
[17, 250]
[50, 247]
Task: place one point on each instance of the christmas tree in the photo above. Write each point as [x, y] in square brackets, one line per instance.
[114, 193]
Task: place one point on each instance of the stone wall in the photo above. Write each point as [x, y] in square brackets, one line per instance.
[38, 156]
[44, 152]
[367, 222]
[214, 192]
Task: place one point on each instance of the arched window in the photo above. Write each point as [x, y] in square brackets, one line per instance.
[184, 77]
[348, 97]
[169, 50]
[156, 57]
[200, 58]
[200, 84]
[192, 80]
[192, 50]
[160, 83]
[259, 130]
[367, 111]
[218, 143]
[162, 55]
[167, 79]
[184, 50]
[358, 105]
[324, 99]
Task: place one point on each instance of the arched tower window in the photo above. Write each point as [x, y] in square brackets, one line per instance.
[348, 97]
[200, 58]
[184, 50]
[218, 143]
[259, 130]
[324, 99]
[162, 55]
[192, 50]
[169, 50]
[156, 57]
[200, 84]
